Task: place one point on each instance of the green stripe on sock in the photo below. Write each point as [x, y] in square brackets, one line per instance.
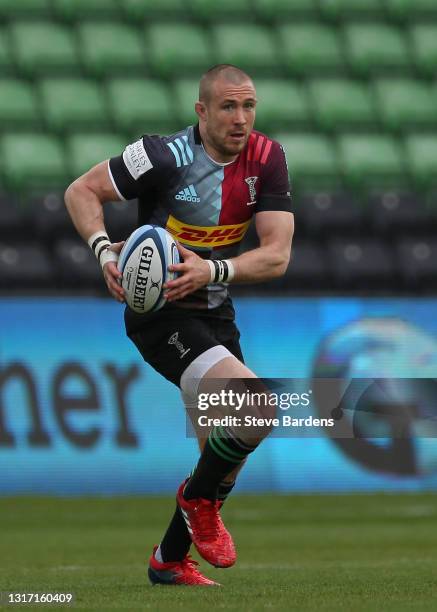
[246, 448]
[218, 452]
[221, 442]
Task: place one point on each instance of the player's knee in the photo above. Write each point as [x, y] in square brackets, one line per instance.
[254, 410]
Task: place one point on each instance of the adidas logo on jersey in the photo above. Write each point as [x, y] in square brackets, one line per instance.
[188, 194]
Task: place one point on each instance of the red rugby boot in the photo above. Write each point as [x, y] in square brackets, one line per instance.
[183, 573]
[208, 533]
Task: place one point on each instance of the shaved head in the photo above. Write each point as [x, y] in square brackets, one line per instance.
[226, 72]
[226, 111]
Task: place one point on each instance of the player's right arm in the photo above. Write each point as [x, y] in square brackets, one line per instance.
[142, 165]
[84, 200]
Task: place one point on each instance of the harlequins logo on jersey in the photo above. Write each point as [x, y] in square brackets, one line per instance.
[174, 339]
[251, 180]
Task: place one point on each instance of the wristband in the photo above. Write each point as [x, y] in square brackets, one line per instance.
[221, 270]
[211, 269]
[99, 243]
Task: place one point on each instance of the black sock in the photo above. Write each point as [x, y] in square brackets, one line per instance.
[222, 453]
[224, 489]
[176, 541]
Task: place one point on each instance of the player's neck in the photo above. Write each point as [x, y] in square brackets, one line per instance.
[216, 161]
[215, 155]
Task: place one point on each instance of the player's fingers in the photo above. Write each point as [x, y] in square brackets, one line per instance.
[111, 269]
[181, 267]
[116, 246]
[114, 287]
[177, 282]
[116, 295]
[182, 290]
[178, 295]
[183, 251]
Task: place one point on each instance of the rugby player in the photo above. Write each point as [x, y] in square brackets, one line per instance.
[203, 184]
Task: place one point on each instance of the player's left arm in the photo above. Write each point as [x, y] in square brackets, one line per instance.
[275, 230]
[269, 260]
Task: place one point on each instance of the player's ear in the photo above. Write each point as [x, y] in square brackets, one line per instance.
[200, 109]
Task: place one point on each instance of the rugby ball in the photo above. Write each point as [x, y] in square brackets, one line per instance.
[143, 262]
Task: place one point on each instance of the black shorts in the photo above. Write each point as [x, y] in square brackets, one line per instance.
[172, 338]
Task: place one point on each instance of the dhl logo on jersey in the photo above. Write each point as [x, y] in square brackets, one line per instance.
[215, 235]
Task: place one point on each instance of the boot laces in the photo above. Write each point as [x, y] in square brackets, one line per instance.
[208, 519]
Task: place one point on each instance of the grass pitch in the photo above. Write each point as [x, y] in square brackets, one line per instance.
[367, 552]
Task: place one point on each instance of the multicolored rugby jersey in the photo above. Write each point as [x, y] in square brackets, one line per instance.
[205, 205]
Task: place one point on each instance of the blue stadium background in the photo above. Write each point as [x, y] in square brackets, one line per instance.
[61, 419]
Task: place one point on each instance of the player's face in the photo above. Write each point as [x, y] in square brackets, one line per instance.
[228, 119]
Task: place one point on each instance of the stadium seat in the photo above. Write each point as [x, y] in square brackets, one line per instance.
[76, 267]
[281, 104]
[424, 45]
[328, 212]
[421, 151]
[111, 48]
[5, 55]
[47, 215]
[86, 150]
[350, 9]
[178, 49]
[25, 265]
[139, 11]
[376, 47]
[250, 47]
[418, 262]
[406, 103]
[120, 219]
[43, 48]
[73, 104]
[11, 219]
[308, 268]
[301, 56]
[361, 264]
[409, 10]
[18, 105]
[339, 104]
[186, 94]
[312, 159]
[396, 212]
[76, 10]
[225, 10]
[371, 160]
[29, 9]
[139, 106]
[29, 160]
[279, 11]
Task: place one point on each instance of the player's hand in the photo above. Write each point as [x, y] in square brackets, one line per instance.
[194, 273]
[113, 276]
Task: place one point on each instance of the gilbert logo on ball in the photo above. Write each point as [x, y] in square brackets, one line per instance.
[143, 262]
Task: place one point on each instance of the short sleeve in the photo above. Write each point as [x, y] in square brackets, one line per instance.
[142, 166]
[275, 183]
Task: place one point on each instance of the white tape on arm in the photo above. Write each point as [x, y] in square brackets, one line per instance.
[96, 241]
[99, 243]
[211, 270]
[108, 256]
[222, 270]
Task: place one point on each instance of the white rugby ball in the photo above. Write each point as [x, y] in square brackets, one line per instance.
[143, 262]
